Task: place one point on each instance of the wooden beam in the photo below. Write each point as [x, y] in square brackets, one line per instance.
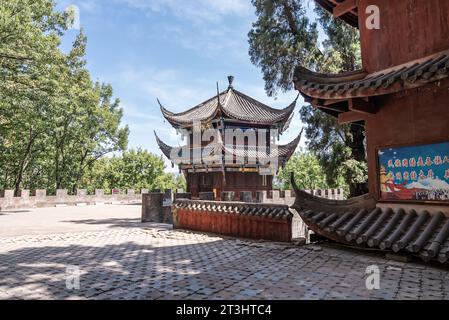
[320, 105]
[349, 117]
[330, 108]
[333, 101]
[361, 106]
[344, 7]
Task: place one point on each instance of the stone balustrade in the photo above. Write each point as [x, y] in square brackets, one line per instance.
[287, 197]
[39, 198]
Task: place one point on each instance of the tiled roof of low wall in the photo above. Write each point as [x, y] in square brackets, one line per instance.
[358, 222]
[420, 234]
[272, 211]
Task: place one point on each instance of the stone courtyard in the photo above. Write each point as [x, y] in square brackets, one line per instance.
[114, 256]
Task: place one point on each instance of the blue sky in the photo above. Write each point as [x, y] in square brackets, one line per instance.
[174, 50]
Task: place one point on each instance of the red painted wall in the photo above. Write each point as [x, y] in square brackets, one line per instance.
[418, 116]
[410, 29]
[233, 225]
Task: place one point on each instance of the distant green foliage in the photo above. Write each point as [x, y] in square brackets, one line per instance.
[133, 169]
[307, 170]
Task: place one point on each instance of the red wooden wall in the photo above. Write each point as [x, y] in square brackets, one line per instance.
[418, 116]
[410, 29]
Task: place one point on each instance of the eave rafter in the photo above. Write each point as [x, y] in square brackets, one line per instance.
[354, 92]
[342, 8]
[346, 110]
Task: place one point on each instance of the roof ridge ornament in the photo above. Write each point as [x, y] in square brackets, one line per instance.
[218, 95]
[230, 80]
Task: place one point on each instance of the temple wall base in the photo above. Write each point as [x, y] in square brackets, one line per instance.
[236, 219]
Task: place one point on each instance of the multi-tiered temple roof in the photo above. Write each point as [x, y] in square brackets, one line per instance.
[233, 108]
[176, 156]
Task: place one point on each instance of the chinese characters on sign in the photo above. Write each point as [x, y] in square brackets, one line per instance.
[415, 173]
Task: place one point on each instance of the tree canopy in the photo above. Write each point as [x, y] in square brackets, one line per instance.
[56, 124]
[284, 37]
[133, 169]
[309, 174]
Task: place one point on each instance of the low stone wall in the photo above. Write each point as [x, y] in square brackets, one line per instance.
[273, 221]
[284, 197]
[40, 199]
[237, 219]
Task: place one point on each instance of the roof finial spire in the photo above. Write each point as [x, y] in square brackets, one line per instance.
[218, 95]
[231, 80]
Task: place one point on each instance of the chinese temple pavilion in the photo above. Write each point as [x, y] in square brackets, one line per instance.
[237, 164]
[401, 96]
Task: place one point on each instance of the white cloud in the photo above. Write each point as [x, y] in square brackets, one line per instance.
[196, 11]
[208, 27]
[174, 91]
[170, 86]
[209, 42]
[88, 6]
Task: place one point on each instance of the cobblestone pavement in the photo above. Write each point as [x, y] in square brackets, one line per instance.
[159, 263]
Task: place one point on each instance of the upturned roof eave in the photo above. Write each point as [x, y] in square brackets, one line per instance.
[284, 151]
[359, 84]
[221, 108]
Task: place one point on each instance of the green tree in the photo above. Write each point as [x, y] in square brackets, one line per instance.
[133, 169]
[86, 124]
[308, 171]
[281, 37]
[284, 37]
[29, 62]
[54, 121]
[30, 33]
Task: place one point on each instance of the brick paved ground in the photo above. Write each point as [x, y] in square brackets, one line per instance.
[154, 262]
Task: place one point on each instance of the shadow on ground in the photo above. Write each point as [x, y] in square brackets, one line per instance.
[162, 264]
[6, 212]
[121, 271]
[113, 222]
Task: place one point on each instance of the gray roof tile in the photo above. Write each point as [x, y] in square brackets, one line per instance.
[358, 222]
[279, 212]
[233, 105]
